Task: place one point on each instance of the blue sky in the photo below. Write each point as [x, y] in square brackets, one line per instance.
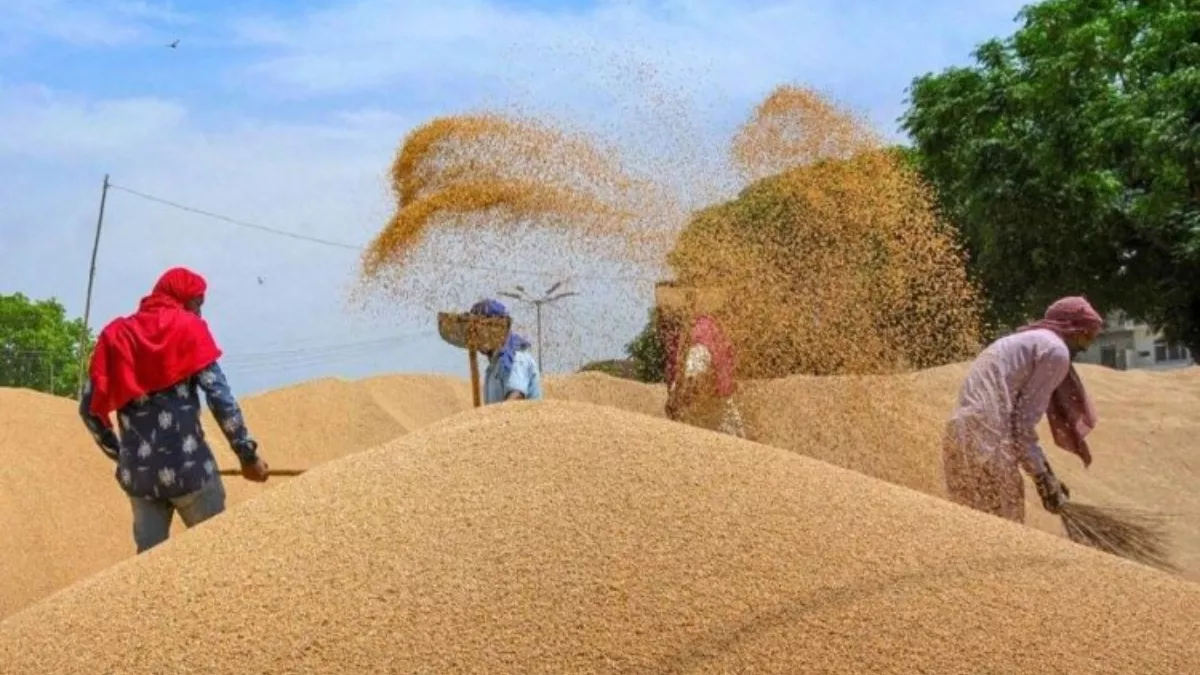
[288, 114]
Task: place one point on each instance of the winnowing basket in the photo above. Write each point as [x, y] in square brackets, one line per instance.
[690, 299]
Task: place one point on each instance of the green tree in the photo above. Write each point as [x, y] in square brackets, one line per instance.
[1068, 155]
[623, 368]
[646, 352]
[40, 347]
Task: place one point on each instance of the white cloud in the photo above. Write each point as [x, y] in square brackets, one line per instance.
[333, 91]
[866, 51]
[96, 23]
[61, 125]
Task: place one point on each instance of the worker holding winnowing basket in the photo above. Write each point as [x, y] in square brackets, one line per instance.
[699, 361]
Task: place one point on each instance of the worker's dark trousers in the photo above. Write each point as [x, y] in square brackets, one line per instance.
[152, 517]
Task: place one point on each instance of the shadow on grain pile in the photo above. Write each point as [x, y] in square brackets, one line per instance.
[606, 541]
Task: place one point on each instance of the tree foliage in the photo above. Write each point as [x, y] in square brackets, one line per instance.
[646, 352]
[625, 369]
[1069, 157]
[40, 347]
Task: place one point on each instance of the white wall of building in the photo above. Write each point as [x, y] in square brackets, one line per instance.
[1126, 344]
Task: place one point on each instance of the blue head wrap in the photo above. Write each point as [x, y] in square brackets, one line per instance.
[493, 308]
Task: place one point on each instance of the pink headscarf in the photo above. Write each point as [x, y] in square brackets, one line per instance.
[1071, 414]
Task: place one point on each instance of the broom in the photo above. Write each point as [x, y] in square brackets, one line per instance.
[1129, 533]
[1132, 534]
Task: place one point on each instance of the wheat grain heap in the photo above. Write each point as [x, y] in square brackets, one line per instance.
[63, 516]
[606, 542]
[57, 532]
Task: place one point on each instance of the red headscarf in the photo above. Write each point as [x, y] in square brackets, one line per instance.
[158, 346]
[706, 332]
[1071, 414]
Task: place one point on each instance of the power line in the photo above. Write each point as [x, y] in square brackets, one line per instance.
[272, 355]
[234, 221]
[319, 354]
[360, 248]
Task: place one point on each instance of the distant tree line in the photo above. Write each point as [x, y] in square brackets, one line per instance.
[40, 347]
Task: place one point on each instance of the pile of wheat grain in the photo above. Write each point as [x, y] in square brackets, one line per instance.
[64, 518]
[890, 428]
[569, 538]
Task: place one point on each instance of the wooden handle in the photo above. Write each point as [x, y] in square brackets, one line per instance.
[272, 472]
[474, 377]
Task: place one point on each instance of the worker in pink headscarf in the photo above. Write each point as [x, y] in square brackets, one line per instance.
[699, 371]
[993, 431]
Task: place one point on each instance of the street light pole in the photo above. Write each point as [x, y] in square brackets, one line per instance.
[537, 307]
[549, 296]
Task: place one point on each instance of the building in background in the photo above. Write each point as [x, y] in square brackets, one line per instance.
[1126, 344]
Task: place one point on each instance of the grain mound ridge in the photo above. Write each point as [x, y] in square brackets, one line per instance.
[603, 389]
[313, 422]
[571, 538]
[416, 400]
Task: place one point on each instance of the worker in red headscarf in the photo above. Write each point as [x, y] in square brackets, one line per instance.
[699, 371]
[148, 368]
[1010, 386]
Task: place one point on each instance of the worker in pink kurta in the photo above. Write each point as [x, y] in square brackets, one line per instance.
[992, 434]
[699, 368]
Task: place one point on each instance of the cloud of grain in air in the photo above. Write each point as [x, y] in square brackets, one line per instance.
[833, 250]
[838, 261]
[490, 185]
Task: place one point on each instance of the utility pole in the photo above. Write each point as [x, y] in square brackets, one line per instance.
[519, 293]
[87, 305]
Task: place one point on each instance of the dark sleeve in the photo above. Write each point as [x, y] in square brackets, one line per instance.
[102, 433]
[225, 408]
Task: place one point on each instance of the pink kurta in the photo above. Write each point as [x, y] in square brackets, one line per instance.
[993, 431]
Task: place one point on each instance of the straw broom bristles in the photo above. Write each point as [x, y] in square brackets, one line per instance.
[1132, 534]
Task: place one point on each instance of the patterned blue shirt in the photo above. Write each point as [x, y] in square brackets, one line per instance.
[161, 452]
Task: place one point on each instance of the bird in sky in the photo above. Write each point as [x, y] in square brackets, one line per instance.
[174, 44]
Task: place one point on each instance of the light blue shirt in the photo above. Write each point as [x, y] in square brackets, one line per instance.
[523, 377]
